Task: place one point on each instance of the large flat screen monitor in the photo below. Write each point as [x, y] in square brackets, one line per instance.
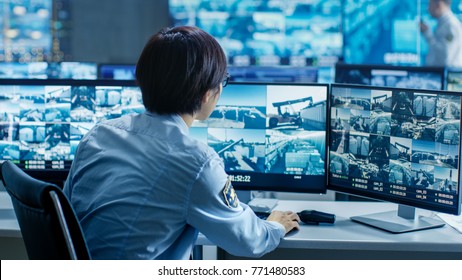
[42, 121]
[396, 145]
[454, 79]
[270, 136]
[297, 33]
[390, 76]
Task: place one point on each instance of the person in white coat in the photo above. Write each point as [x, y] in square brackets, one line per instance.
[445, 42]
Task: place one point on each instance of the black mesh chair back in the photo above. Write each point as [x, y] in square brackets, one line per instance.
[49, 226]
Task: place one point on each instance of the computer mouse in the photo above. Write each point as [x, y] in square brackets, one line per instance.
[313, 217]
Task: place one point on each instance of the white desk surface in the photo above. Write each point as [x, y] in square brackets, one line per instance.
[343, 235]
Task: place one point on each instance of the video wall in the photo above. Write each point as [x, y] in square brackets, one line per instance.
[296, 33]
[32, 32]
[312, 33]
[264, 32]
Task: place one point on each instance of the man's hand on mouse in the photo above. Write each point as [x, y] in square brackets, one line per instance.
[290, 220]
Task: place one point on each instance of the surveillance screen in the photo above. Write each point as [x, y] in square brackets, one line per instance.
[454, 79]
[41, 125]
[117, 71]
[44, 70]
[16, 70]
[73, 70]
[391, 76]
[275, 74]
[396, 145]
[270, 136]
[297, 33]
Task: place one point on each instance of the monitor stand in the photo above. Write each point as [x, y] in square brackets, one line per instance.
[398, 222]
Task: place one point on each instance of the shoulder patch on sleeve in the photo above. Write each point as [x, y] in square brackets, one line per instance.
[230, 195]
[449, 37]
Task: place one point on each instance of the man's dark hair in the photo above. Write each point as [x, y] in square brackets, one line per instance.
[177, 67]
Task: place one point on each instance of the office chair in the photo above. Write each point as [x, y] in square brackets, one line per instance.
[48, 223]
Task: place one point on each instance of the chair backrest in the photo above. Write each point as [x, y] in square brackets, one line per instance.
[48, 223]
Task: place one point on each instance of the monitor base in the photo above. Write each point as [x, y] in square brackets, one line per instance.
[391, 222]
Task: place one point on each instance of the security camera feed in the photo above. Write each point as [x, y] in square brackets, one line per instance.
[44, 70]
[397, 145]
[268, 32]
[116, 71]
[391, 76]
[41, 124]
[276, 74]
[454, 79]
[387, 32]
[270, 136]
[73, 70]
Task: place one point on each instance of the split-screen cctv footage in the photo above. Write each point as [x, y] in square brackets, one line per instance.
[269, 133]
[396, 142]
[41, 125]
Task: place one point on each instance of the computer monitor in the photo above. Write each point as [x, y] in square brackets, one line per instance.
[16, 70]
[48, 70]
[42, 121]
[396, 145]
[454, 79]
[72, 70]
[117, 71]
[296, 33]
[271, 137]
[273, 74]
[390, 76]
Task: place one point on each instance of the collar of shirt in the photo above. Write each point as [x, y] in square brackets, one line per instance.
[173, 117]
[445, 17]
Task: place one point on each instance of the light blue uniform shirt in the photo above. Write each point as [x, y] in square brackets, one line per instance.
[143, 188]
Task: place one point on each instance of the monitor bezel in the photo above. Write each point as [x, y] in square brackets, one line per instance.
[456, 210]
